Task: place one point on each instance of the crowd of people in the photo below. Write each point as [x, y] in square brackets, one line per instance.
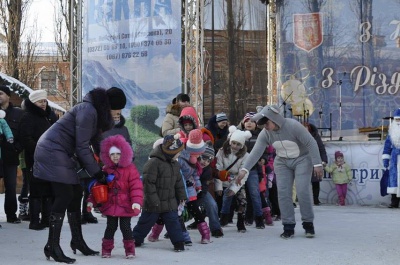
[205, 173]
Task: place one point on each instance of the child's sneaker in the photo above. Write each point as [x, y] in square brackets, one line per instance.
[309, 228]
[188, 243]
[179, 247]
[287, 234]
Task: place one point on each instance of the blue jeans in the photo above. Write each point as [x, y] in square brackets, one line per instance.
[226, 202]
[208, 202]
[254, 192]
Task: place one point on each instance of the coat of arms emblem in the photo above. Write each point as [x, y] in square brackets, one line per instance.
[307, 31]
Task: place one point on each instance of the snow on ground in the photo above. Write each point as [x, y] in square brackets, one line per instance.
[344, 235]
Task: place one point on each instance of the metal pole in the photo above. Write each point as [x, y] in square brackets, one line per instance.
[212, 60]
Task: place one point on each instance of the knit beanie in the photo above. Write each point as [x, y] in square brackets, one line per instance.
[114, 150]
[221, 117]
[172, 145]
[396, 114]
[209, 151]
[238, 135]
[6, 90]
[37, 95]
[117, 98]
[337, 154]
[195, 144]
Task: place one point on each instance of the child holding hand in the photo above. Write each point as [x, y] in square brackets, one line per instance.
[341, 176]
[125, 193]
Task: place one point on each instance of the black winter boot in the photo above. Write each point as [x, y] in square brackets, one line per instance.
[224, 220]
[47, 202]
[240, 223]
[87, 217]
[309, 228]
[35, 206]
[77, 241]
[394, 201]
[52, 248]
[259, 222]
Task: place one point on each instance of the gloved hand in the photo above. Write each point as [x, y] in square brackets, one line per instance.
[101, 177]
[110, 177]
[200, 194]
[223, 175]
[89, 207]
[385, 163]
[136, 209]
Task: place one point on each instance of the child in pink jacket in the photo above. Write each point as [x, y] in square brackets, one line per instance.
[125, 193]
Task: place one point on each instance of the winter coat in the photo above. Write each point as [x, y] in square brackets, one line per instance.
[322, 152]
[34, 123]
[187, 113]
[119, 128]
[205, 178]
[190, 175]
[340, 175]
[126, 188]
[224, 162]
[162, 183]
[392, 152]
[5, 131]
[170, 123]
[220, 135]
[72, 134]
[10, 151]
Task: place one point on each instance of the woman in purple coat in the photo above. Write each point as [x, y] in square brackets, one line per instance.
[54, 161]
[125, 193]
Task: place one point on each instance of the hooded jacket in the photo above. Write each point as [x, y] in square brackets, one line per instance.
[126, 188]
[162, 183]
[73, 134]
[187, 113]
[170, 123]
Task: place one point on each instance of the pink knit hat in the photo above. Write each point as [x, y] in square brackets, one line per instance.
[195, 145]
[337, 154]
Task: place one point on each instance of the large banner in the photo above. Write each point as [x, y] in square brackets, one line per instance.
[364, 159]
[134, 45]
[338, 62]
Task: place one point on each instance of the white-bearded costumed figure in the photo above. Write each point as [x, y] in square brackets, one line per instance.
[390, 157]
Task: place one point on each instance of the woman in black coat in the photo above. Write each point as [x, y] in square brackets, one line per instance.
[37, 118]
[72, 136]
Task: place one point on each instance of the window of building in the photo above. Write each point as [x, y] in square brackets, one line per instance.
[48, 82]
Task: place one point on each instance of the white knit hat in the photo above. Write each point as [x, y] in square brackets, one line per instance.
[114, 150]
[37, 95]
[238, 135]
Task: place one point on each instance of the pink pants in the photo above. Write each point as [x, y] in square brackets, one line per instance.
[341, 190]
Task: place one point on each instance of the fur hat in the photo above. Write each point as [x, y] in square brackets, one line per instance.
[119, 142]
[337, 154]
[2, 114]
[37, 95]
[117, 98]
[396, 114]
[221, 117]
[172, 145]
[114, 150]
[195, 144]
[6, 90]
[238, 135]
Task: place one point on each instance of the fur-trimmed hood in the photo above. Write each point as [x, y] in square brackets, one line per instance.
[98, 97]
[174, 109]
[119, 142]
[188, 113]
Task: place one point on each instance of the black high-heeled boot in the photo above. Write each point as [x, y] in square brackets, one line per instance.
[52, 248]
[77, 241]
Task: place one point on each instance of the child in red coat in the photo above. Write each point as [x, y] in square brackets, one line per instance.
[125, 193]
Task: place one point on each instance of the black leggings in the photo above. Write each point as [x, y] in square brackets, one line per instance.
[66, 197]
[112, 225]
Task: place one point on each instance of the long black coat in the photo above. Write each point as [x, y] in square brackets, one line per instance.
[10, 152]
[33, 124]
[73, 134]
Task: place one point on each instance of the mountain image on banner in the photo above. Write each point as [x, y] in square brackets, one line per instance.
[96, 75]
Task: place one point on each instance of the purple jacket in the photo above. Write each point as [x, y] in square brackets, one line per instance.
[72, 134]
